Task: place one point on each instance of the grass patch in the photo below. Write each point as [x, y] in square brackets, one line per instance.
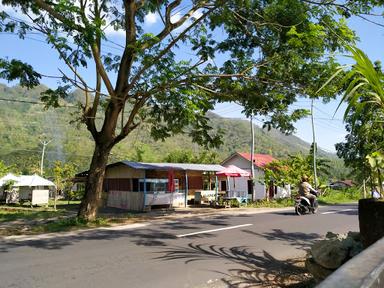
[276, 203]
[24, 213]
[340, 196]
[18, 219]
[7, 215]
[68, 224]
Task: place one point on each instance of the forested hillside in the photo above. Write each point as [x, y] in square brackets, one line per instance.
[24, 124]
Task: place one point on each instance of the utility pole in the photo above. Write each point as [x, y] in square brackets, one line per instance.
[252, 151]
[44, 143]
[314, 146]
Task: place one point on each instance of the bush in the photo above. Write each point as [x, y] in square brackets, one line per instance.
[341, 196]
[274, 203]
[76, 195]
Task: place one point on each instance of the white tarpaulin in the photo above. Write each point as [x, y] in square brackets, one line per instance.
[33, 181]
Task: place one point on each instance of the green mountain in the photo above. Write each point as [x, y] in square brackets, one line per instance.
[24, 124]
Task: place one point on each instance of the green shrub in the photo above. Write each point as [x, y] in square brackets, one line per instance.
[274, 203]
[341, 196]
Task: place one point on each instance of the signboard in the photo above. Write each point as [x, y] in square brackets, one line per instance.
[40, 197]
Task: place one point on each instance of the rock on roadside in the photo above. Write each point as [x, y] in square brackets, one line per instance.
[329, 254]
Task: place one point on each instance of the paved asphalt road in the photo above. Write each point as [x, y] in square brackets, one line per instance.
[168, 254]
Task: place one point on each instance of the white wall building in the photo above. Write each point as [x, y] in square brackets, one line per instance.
[241, 184]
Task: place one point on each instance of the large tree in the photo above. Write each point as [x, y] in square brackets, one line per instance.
[260, 54]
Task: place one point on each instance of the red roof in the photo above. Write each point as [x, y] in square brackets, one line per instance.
[260, 160]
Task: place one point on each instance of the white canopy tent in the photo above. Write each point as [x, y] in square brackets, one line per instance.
[33, 181]
[8, 177]
[34, 188]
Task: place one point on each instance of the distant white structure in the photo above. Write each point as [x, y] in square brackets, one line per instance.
[244, 184]
[4, 180]
[8, 177]
[31, 188]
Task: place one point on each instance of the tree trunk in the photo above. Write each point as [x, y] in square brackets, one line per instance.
[94, 186]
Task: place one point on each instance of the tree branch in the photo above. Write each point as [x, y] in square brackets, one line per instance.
[169, 47]
[51, 11]
[130, 125]
[169, 26]
[130, 43]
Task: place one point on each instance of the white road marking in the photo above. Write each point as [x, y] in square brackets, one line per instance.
[213, 230]
[333, 212]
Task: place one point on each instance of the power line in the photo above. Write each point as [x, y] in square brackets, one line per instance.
[33, 102]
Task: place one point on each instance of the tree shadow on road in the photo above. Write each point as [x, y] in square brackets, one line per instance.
[254, 270]
[156, 236]
[140, 237]
[297, 239]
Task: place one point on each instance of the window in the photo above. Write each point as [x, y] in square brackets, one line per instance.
[154, 185]
[135, 185]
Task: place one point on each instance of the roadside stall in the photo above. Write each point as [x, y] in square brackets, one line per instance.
[233, 171]
[34, 189]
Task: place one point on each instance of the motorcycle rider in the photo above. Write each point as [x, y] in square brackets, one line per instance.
[305, 188]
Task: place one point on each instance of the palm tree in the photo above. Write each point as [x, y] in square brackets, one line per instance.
[364, 95]
[366, 86]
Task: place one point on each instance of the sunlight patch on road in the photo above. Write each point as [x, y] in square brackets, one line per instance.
[213, 230]
[338, 211]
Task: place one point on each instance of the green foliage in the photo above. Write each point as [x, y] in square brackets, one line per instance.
[270, 54]
[15, 69]
[340, 196]
[376, 162]
[291, 38]
[276, 203]
[7, 186]
[291, 169]
[364, 94]
[24, 124]
[76, 195]
[187, 156]
[3, 169]
[63, 174]
[365, 87]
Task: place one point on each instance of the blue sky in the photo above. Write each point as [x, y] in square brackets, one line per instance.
[329, 127]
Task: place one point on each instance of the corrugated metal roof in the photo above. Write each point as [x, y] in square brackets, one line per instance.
[175, 166]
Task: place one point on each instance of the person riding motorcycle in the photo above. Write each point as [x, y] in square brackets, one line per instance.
[305, 190]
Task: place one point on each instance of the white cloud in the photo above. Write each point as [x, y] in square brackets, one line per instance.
[151, 18]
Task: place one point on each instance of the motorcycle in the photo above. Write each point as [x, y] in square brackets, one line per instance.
[303, 205]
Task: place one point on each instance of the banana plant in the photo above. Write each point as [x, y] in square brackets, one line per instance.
[376, 161]
[364, 86]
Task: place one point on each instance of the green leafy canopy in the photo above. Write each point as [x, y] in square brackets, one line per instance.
[263, 55]
[271, 53]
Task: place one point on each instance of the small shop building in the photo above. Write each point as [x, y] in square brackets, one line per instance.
[137, 186]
